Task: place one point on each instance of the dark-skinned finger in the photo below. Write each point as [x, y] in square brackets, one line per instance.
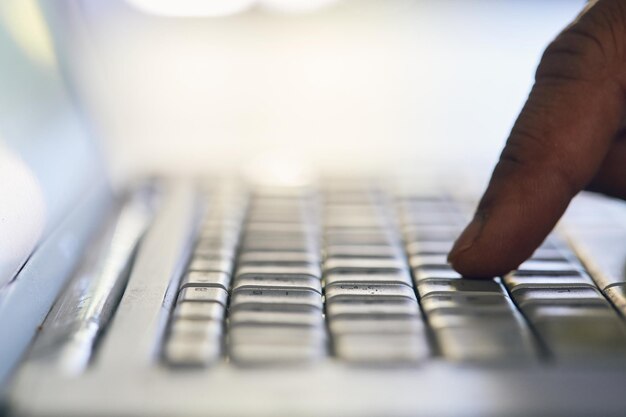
[556, 146]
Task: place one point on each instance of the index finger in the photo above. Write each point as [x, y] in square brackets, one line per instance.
[556, 145]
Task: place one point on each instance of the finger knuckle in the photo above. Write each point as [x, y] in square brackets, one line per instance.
[591, 49]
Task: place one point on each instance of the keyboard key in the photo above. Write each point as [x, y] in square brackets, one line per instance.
[537, 267]
[357, 265]
[555, 296]
[502, 344]
[192, 353]
[446, 286]
[472, 317]
[196, 310]
[429, 247]
[382, 349]
[377, 325]
[363, 251]
[280, 227]
[372, 308]
[276, 335]
[279, 245]
[278, 300]
[195, 329]
[308, 271]
[435, 233]
[216, 294]
[368, 291]
[359, 237]
[392, 278]
[205, 264]
[515, 282]
[262, 354]
[218, 241]
[311, 318]
[283, 258]
[571, 332]
[206, 279]
[214, 253]
[550, 254]
[247, 282]
[421, 274]
[455, 301]
[429, 261]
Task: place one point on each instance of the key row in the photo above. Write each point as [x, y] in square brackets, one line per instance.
[276, 311]
[371, 308]
[196, 328]
[558, 299]
[472, 321]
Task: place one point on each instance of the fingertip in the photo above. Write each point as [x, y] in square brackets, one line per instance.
[473, 263]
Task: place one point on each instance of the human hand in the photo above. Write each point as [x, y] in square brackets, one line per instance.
[569, 137]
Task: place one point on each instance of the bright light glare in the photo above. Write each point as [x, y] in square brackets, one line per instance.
[295, 6]
[25, 24]
[191, 8]
[216, 8]
[284, 168]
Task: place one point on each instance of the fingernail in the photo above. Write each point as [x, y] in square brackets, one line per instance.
[468, 237]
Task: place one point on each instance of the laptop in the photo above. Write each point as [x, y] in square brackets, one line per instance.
[183, 258]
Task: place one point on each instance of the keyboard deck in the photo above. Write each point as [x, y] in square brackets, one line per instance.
[282, 276]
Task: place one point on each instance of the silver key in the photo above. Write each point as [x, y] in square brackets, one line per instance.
[550, 254]
[311, 318]
[556, 296]
[430, 235]
[572, 332]
[248, 282]
[391, 278]
[185, 352]
[287, 245]
[387, 348]
[508, 344]
[309, 271]
[206, 279]
[363, 251]
[359, 237]
[216, 294]
[376, 325]
[468, 317]
[373, 308]
[358, 265]
[259, 354]
[462, 300]
[213, 253]
[538, 267]
[218, 240]
[195, 329]
[221, 264]
[446, 286]
[429, 247]
[279, 227]
[257, 258]
[196, 310]
[516, 282]
[421, 274]
[276, 335]
[428, 261]
[365, 291]
[276, 300]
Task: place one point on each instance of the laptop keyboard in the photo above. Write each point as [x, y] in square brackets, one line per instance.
[349, 272]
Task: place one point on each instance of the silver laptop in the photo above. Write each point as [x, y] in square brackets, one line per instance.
[268, 234]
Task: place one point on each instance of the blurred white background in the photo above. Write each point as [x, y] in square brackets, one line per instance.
[411, 86]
